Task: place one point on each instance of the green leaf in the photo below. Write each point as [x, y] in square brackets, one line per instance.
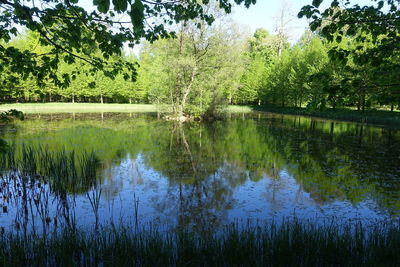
[137, 15]
[120, 5]
[102, 5]
[316, 3]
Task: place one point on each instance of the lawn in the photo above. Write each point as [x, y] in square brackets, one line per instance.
[78, 107]
[378, 117]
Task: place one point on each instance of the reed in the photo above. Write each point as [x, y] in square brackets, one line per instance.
[289, 243]
[64, 170]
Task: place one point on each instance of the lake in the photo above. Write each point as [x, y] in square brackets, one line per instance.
[200, 176]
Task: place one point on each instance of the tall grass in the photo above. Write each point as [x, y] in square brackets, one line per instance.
[61, 168]
[288, 244]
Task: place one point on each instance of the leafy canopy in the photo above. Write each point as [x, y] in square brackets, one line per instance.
[74, 33]
[377, 24]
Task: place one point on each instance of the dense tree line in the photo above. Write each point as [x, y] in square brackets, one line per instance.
[206, 66]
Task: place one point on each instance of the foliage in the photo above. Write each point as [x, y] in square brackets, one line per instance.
[195, 71]
[260, 55]
[374, 31]
[6, 116]
[72, 33]
[377, 24]
[207, 66]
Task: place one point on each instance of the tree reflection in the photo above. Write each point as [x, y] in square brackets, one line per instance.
[206, 162]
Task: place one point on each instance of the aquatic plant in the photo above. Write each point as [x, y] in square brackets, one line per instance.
[291, 243]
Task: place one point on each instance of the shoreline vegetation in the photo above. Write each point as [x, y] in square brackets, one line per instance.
[375, 117]
[290, 243]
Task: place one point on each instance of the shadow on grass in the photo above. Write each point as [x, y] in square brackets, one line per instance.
[377, 117]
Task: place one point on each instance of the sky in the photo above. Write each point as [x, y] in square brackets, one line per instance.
[265, 12]
[263, 15]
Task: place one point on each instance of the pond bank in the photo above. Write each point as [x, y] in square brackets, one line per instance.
[287, 244]
[376, 117]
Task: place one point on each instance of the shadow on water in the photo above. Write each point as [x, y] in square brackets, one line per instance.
[94, 169]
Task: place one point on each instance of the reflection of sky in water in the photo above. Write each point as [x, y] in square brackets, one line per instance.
[267, 199]
[227, 195]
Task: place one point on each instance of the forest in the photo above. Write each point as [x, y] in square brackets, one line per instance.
[204, 67]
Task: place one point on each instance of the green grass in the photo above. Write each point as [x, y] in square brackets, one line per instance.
[378, 117]
[78, 107]
[288, 244]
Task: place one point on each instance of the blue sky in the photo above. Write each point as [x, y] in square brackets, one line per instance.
[263, 15]
[264, 12]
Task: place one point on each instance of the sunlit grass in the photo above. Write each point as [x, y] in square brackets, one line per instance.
[380, 117]
[78, 107]
[240, 109]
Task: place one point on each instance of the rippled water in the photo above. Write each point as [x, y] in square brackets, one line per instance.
[204, 175]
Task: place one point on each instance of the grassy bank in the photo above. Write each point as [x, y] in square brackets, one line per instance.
[78, 107]
[288, 244]
[379, 117]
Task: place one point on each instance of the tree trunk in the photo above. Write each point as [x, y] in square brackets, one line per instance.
[186, 94]
[101, 99]
[363, 102]
[392, 107]
[73, 99]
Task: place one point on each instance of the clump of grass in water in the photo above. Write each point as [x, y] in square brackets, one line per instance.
[290, 243]
[65, 169]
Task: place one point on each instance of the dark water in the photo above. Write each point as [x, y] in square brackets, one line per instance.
[203, 175]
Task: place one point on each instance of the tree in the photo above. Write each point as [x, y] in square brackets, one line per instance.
[72, 32]
[375, 27]
[193, 71]
[261, 52]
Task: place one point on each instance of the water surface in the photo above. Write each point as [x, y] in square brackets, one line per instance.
[203, 175]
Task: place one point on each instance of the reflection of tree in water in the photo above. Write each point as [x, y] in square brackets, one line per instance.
[204, 163]
[197, 191]
[334, 161]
